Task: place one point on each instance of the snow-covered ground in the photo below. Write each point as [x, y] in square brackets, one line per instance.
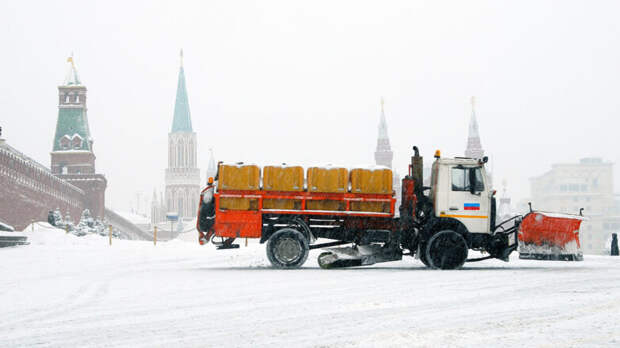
[68, 291]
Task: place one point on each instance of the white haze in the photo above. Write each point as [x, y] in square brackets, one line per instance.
[300, 82]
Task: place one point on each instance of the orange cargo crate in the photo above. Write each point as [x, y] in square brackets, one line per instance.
[378, 181]
[287, 204]
[236, 203]
[326, 205]
[283, 178]
[239, 177]
[379, 207]
[328, 180]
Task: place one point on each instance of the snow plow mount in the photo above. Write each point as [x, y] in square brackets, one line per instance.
[225, 243]
[358, 255]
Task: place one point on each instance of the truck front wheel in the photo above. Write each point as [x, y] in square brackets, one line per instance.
[446, 249]
[287, 248]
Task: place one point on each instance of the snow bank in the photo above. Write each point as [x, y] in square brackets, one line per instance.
[68, 291]
[570, 248]
[10, 234]
[42, 233]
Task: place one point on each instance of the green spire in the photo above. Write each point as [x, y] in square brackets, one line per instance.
[72, 131]
[182, 121]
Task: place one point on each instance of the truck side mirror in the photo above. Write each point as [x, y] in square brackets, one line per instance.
[472, 181]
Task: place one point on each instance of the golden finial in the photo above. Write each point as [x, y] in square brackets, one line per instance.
[473, 103]
[382, 102]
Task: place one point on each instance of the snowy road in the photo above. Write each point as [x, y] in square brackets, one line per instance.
[66, 291]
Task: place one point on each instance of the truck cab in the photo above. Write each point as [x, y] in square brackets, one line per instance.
[460, 189]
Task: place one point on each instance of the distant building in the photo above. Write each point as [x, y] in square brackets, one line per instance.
[73, 158]
[158, 208]
[474, 146]
[568, 187]
[505, 208]
[384, 154]
[182, 175]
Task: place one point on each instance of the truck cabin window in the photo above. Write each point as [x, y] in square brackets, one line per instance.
[461, 179]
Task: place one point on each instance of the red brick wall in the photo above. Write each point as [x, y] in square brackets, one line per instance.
[94, 186]
[28, 191]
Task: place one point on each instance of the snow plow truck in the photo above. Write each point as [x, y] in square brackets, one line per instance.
[353, 214]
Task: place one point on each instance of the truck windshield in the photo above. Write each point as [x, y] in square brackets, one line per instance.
[461, 182]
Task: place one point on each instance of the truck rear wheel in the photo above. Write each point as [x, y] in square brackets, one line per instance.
[287, 248]
[446, 249]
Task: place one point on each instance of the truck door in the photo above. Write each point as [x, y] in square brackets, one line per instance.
[468, 198]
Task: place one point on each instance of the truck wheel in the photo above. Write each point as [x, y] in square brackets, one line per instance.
[287, 248]
[446, 250]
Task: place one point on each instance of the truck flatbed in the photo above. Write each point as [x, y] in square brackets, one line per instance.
[249, 223]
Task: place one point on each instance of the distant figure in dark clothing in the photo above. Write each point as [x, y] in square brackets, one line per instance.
[614, 244]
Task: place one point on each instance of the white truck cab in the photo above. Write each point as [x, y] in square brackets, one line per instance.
[461, 190]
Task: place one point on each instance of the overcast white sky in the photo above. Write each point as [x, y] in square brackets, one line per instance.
[300, 82]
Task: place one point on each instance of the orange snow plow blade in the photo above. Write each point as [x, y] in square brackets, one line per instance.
[550, 236]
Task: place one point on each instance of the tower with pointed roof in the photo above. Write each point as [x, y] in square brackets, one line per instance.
[72, 156]
[384, 154]
[474, 148]
[182, 174]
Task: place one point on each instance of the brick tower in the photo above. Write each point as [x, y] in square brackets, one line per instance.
[182, 174]
[73, 159]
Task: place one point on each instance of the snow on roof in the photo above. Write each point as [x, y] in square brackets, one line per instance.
[561, 215]
[26, 159]
[370, 167]
[283, 165]
[239, 164]
[6, 227]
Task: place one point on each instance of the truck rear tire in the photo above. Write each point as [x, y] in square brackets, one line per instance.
[287, 248]
[446, 249]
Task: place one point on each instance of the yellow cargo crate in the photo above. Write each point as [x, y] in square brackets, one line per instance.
[326, 205]
[286, 204]
[377, 181]
[282, 178]
[239, 177]
[237, 203]
[378, 207]
[328, 180]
